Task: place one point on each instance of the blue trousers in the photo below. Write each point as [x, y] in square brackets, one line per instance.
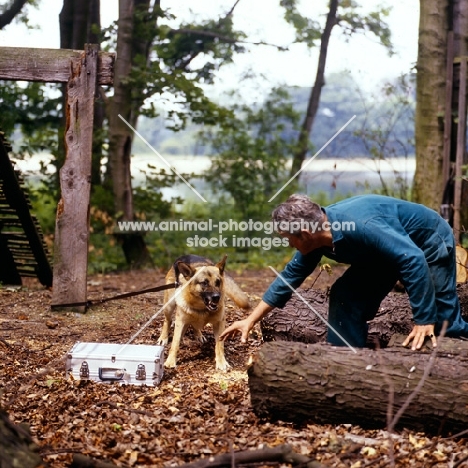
[356, 296]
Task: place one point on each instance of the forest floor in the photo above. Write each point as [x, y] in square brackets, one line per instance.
[194, 412]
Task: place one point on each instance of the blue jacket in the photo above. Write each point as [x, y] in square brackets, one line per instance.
[403, 235]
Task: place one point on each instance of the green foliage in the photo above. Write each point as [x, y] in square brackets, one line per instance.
[44, 206]
[171, 71]
[387, 131]
[31, 109]
[250, 152]
[308, 31]
[213, 39]
[350, 20]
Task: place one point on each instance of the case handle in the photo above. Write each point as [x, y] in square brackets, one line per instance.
[115, 378]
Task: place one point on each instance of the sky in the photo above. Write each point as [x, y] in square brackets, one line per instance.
[361, 55]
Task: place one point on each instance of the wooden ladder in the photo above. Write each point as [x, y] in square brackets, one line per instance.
[23, 252]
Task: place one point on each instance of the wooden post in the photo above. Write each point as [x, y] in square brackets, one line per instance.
[81, 70]
[72, 222]
[461, 143]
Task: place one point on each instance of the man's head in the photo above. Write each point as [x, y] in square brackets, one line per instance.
[300, 221]
[296, 214]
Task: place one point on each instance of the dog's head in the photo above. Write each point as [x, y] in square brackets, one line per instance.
[206, 283]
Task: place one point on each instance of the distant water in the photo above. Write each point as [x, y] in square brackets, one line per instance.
[331, 176]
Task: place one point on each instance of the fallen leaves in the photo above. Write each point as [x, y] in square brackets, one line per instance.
[195, 412]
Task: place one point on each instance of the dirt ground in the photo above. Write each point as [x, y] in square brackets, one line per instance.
[194, 412]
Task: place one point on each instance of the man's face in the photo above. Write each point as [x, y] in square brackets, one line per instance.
[302, 241]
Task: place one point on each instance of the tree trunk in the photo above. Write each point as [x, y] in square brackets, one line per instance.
[430, 102]
[330, 385]
[17, 448]
[296, 322]
[459, 98]
[314, 98]
[121, 136]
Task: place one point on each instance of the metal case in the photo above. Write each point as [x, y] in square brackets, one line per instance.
[120, 363]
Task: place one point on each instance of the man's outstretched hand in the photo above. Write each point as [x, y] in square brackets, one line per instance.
[243, 326]
[418, 334]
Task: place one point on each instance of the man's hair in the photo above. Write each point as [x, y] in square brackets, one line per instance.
[296, 213]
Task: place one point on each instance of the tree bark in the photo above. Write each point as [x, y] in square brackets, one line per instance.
[80, 24]
[322, 384]
[314, 98]
[297, 322]
[278, 454]
[121, 135]
[16, 446]
[430, 102]
[459, 154]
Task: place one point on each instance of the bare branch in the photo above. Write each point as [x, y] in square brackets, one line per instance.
[231, 11]
[226, 39]
[9, 15]
[418, 387]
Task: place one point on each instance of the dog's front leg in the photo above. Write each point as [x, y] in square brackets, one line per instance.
[221, 363]
[168, 314]
[179, 331]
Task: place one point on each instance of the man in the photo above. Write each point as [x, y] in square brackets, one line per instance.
[383, 240]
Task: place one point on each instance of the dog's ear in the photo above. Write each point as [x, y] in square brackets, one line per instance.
[222, 264]
[185, 269]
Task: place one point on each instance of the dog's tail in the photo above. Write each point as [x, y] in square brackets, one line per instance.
[234, 292]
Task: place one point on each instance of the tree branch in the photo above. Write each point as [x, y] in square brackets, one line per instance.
[8, 15]
[231, 11]
[420, 384]
[226, 39]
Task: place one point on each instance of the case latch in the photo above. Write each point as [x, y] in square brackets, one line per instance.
[140, 372]
[84, 370]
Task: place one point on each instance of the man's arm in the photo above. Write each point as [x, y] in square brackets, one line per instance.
[397, 246]
[394, 244]
[278, 293]
[294, 274]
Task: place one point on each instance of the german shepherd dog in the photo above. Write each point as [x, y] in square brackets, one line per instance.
[198, 303]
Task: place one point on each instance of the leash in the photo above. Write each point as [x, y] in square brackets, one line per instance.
[91, 303]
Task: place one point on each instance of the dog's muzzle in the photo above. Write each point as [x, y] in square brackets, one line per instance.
[211, 301]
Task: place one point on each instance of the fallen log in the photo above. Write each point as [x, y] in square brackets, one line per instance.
[279, 454]
[318, 383]
[297, 322]
[83, 461]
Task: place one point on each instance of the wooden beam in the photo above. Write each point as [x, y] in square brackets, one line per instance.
[72, 221]
[50, 65]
